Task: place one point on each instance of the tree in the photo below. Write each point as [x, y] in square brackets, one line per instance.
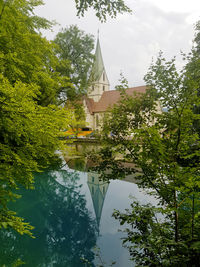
[30, 125]
[102, 8]
[29, 138]
[163, 148]
[192, 68]
[77, 121]
[197, 36]
[25, 55]
[75, 47]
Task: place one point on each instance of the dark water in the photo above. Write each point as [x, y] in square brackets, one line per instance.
[72, 215]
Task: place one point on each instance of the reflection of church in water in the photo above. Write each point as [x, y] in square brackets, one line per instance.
[98, 189]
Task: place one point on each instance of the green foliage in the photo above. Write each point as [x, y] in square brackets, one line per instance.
[123, 83]
[75, 47]
[150, 239]
[192, 69]
[102, 8]
[164, 149]
[197, 36]
[29, 136]
[30, 125]
[77, 120]
[24, 54]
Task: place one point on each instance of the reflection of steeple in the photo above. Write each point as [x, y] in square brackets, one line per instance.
[98, 190]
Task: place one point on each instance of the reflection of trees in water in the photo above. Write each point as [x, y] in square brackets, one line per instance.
[64, 230]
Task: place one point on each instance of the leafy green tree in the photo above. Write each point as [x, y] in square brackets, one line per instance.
[75, 47]
[28, 139]
[164, 149]
[197, 36]
[25, 55]
[123, 84]
[102, 8]
[77, 116]
[192, 68]
[30, 125]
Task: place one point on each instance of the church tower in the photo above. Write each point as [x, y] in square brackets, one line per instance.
[99, 77]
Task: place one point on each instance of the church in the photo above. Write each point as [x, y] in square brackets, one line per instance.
[100, 97]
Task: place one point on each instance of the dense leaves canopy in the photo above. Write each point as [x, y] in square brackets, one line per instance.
[25, 55]
[29, 122]
[155, 132]
[75, 48]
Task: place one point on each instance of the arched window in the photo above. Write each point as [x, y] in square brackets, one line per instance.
[103, 88]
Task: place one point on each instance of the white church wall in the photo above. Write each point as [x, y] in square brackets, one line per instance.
[97, 88]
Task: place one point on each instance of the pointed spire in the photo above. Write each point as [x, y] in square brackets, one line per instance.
[98, 66]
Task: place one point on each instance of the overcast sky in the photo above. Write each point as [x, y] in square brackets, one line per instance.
[129, 42]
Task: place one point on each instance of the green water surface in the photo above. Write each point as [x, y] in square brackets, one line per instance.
[72, 215]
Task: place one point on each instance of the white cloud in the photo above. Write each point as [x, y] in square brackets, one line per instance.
[179, 6]
[129, 42]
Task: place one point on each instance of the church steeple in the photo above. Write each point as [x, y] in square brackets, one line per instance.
[99, 77]
[98, 67]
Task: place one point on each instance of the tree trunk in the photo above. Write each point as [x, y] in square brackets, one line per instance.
[176, 217]
[192, 216]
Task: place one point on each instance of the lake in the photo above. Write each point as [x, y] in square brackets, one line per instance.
[72, 214]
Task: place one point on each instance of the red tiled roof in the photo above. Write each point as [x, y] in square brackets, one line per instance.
[109, 98]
